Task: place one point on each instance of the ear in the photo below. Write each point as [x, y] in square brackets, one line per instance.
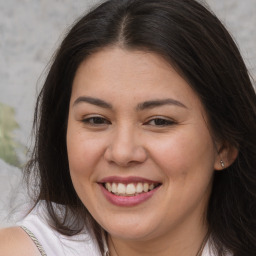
[226, 156]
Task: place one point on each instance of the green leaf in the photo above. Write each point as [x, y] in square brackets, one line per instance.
[7, 141]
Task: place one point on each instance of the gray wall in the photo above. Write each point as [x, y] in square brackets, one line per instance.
[30, 30]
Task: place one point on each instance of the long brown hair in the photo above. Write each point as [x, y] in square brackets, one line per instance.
[196, 43]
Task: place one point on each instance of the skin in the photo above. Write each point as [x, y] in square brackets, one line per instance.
[124, 141]
[127, 140]
[14, 241]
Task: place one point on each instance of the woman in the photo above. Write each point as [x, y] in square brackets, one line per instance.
[145, 139]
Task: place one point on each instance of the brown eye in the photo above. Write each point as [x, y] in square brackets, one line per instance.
[160, 122]
[96, 120]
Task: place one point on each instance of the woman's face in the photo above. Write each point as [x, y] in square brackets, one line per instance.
[140, 153]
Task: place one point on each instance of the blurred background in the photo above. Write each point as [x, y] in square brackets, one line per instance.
[30, 32]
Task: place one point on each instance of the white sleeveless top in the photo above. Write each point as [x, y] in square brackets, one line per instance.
[51, 243]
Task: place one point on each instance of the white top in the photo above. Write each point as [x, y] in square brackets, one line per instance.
[54, 243]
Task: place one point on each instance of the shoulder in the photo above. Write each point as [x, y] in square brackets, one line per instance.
[38, 223]
[14, 241]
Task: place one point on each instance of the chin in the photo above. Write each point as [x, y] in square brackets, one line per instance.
[131, 231]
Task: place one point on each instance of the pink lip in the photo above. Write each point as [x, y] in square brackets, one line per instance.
[127, 201]
[126, 180]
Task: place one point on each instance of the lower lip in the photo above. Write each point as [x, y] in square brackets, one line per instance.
[128, 200]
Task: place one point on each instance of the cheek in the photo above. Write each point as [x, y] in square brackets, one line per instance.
[187, 161]
[83, 156]
[185, 153]
[83, 151]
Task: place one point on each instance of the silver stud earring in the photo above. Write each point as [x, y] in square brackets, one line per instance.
[222, 164]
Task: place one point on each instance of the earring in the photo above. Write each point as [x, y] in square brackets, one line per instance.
[222, 164]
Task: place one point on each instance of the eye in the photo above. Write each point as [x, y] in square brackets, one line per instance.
[160, 122]
[95, 120]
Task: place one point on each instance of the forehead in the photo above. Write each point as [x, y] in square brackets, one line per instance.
[114, 72]
[118, 62]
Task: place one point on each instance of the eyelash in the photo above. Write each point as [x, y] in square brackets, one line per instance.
[99, 121]
[93, 121]
[162, 122]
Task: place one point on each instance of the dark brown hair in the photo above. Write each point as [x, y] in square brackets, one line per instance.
[196, 43]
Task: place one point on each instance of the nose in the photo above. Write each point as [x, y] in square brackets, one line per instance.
[125, 148]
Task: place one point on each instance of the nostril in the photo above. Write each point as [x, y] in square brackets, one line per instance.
[125, 156]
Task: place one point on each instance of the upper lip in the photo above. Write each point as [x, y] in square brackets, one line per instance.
[127, 180]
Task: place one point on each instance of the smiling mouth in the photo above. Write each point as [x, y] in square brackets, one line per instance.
[130, 189]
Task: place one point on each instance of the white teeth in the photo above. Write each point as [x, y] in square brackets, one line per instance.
[151, 186]
[121, 188]
[130, 189]
[114, 188]
[108, 186]
[145, 187]
[139, 188]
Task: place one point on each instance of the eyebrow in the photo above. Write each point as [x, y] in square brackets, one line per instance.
[158, 103]
[141, 106]
[93, 101]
